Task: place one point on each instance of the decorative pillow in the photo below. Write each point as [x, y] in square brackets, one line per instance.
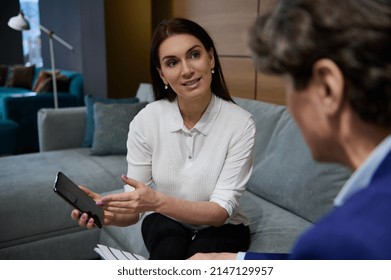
[89, 102]
[112, 127]
[42, 76]
[20, 76]
[3, 74]
[44, 82]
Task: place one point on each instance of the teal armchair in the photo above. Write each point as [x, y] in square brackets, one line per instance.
[20, 105]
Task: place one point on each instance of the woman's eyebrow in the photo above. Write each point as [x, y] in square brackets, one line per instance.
[192, 48]
[188, 51]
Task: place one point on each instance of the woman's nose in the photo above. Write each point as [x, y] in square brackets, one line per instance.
[187, 69]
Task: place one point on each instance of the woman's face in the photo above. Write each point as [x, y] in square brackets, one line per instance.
[186, 66]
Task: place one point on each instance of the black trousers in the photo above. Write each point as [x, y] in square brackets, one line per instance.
[167, 239]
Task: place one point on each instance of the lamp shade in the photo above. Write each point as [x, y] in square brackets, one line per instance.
[19, 22]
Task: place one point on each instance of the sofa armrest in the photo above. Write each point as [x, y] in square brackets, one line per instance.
[62, 128]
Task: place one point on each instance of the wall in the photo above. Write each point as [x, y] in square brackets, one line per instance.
[63, 18]
[81, 24]
[112, 37]
[111, 40]
[93, 44]
[11, 50]
[228, 21]
[128, 35]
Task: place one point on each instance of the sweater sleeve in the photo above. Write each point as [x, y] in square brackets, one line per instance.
[139, 155]
[236, 170]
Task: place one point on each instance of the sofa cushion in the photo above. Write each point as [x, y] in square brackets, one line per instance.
[20, 76]
[284, 172]
[43, 213]
[44, 82]
[40, 80]
[72, 122]
[90, 125]
[112, 126]
[272, 228]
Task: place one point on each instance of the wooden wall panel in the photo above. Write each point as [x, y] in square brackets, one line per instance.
[239, 74]
[227, 21]
[270, 89]
[266, 5]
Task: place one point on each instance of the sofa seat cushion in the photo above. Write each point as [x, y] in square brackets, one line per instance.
[67, 244]
[273, 229]
[39, 210]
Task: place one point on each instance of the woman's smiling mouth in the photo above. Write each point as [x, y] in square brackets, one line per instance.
[192, 83]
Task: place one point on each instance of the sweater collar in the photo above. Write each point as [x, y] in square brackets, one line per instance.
[204, 125]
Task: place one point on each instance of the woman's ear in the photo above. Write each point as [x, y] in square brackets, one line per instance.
[330, 82]
[161, 75]
[212, 58]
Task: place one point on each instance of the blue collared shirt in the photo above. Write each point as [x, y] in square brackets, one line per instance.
[361, 178]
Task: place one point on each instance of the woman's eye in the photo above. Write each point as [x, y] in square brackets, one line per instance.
[195, 55]
[171, 63]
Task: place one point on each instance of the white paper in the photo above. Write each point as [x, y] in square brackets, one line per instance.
[109, 253]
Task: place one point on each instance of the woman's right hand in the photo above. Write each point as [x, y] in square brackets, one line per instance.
[83, 219]
[109, 218]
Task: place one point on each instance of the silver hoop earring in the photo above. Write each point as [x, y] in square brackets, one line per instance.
[213, 71]
[165, 86]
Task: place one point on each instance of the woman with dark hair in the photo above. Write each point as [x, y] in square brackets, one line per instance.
[335, 57]
[172, 27]
[189, 153]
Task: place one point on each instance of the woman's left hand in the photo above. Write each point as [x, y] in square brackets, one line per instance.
[142, 199]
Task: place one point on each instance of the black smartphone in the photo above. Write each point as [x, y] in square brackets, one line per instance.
[75, 196]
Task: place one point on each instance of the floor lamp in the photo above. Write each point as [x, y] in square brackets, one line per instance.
[20, 23]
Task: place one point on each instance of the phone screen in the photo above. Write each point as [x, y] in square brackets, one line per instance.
[76, 197]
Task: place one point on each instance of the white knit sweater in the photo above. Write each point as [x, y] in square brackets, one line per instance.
[210, 162]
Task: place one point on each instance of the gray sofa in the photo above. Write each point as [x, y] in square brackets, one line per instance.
[286, 193]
